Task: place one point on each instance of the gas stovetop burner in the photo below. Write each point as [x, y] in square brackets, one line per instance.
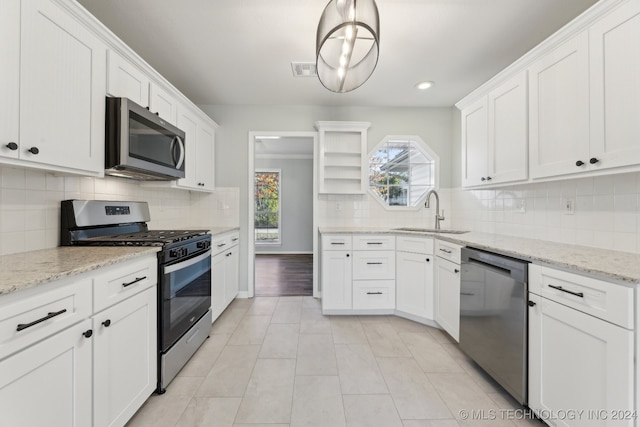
[150, 237]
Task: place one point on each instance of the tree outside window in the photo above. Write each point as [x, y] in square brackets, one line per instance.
[267, 206]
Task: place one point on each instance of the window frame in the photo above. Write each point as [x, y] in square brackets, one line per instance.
[255, 213]
[423, 146]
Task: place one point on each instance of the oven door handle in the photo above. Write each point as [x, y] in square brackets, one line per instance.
[187, 263]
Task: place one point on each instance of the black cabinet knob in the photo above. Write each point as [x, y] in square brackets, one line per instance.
[33, 150]
[428, 260]
[456, 271]
[593, 160]
[347, 255]
[107, 323]
[12, 146]
[579, 163]
[88, 333]
[488, 178]
[531, 303]
[483, 179]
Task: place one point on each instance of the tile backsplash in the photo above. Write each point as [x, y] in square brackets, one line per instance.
[30, 205]
[605, 211]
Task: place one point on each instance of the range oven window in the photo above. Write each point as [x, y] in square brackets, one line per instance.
[186, 296]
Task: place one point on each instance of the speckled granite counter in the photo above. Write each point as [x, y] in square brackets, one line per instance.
[623, 267]
[27, 269]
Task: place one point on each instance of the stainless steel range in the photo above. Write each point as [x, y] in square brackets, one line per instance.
[184, 271]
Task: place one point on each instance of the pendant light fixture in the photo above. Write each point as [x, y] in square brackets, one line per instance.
[347, 44]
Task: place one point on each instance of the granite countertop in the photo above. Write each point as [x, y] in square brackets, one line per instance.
[622, 267]
[28, 269]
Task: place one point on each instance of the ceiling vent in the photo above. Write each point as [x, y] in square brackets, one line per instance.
[304, 69]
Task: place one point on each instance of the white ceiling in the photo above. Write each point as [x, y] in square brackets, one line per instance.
[240, 51]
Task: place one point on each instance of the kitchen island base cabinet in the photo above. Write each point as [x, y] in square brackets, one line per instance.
[49, 384]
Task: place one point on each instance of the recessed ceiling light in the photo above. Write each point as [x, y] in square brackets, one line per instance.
[424, 85]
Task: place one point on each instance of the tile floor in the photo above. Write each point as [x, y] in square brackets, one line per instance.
[278, 362]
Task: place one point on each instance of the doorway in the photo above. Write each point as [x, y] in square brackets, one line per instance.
[282, 194]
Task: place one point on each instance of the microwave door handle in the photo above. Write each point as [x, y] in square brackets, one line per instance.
[172, 150]
[181, 159]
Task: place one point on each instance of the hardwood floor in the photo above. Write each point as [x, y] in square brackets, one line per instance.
[284, 275]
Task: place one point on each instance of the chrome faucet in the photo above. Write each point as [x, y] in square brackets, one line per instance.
[426, 205]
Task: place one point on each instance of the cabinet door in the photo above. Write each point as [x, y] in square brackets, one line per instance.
[231, 275]
[218, 285]
[615, 87]
[162, 103]
[414, 284]
[447, 296]
[577, 361]
[188, 123]
[204, 157]
[49, 384]
[559, 110]
[125, 80]
[336, 280]
[10, 77]
[474, 143]
[125, 358]
[62, 90]
[508, 131]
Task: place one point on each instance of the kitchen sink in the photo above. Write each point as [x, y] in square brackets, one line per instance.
[430, 230]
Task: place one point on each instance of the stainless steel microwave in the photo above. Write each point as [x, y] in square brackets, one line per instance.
[141, 145]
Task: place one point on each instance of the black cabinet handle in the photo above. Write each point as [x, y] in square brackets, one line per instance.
[446, 251]
[87, 333]
[337, 243]
[222, 244]
[106, 323]
[455, 270]
[483, 179]
[229, 254]
[12, 146]
[561, 289]
[531, 304]
[235, 239]
[374, 243]
[579, 163]
[50, 315]
[374, 293]
[593, 160]
[138, 279]
[33, 150]
[374, 263]
[467, 294]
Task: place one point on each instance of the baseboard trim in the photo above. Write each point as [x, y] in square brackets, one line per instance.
[284, 253]
[243, 294]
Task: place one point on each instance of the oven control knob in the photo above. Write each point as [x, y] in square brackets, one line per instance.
[173, 253]
[201, 244]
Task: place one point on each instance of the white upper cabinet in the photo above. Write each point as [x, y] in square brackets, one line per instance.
[474, 143]
[9, 78]
[508, 131]
[162, 103]
[188, 123]
[199, 143]
[559, 109]
[614, 52]
[205, 157]
[125, 80]
[62, 89]
[494, 135]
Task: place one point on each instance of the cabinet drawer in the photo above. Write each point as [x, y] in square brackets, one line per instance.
[336, 242]
[374, 294]
[605, 300]
[415, 244]
[118, 282]
[43, 314]
[374, 242]
[374, 265]
[223, 242]
[447, 250]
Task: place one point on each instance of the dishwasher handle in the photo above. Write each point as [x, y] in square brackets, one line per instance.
[503, 265]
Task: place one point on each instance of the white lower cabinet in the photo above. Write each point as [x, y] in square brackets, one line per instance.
[579, 362]
[337, 289]
[49, 383]
[414, 278]
[124, 358]
[224, 272]
[62, 364]
[447, 296]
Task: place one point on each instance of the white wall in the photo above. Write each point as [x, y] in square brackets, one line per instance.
[433, 125]
[296, 205]
[30, 205]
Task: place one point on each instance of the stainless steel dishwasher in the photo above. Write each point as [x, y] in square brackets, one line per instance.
[493, 317]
